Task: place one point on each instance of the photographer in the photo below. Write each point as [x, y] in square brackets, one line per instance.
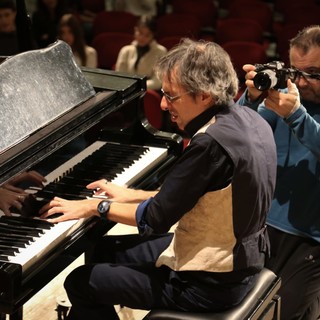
[294, 217]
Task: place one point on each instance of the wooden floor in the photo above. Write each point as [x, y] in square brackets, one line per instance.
[42, 306]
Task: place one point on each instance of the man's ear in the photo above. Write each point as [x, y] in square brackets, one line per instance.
[206, 99]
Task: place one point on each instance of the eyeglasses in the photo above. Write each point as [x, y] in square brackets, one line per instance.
[171, 99]
[307, 76]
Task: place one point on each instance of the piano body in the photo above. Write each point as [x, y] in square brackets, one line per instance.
[73, 125]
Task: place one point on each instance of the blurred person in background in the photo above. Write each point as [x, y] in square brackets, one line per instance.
[8, 34]
[141, 55]
[70, 31]
[138, 7]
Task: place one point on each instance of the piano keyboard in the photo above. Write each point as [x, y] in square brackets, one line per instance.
[24, 240]
[118, 163]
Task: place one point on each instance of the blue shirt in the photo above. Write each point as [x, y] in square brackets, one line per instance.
[296, 205]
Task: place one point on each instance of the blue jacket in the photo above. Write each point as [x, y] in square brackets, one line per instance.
[296, 205]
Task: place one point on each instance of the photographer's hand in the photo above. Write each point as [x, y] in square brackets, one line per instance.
[253, 93]
[283, 104]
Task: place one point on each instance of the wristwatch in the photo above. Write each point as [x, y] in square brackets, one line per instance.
[103, 208]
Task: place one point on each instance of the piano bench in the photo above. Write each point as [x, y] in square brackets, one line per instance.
[262, 303]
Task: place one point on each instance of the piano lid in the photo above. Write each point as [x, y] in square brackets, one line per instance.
[36, 87]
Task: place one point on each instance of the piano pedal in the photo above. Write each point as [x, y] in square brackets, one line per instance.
[63, 307]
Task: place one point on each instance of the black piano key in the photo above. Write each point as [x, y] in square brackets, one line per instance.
[16, 237]
[7, 252]
[15, 229]
[4, 258]
[3, 247]
[23, 221]
[12, 243]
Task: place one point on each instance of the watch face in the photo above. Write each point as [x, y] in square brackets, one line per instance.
[103, 207]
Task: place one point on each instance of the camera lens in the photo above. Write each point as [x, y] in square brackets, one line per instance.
[265, 80]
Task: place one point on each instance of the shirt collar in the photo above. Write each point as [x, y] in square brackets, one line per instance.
[195, 124]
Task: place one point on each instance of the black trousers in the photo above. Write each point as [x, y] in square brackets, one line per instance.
[124, 273]
[297, 261]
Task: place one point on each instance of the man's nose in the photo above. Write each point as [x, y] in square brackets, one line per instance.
[164, 104]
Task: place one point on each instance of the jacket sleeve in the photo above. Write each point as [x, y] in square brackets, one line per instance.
[271, 117]
[305, 127]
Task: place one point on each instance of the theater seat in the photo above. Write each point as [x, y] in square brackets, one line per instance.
[152, 109]
[261, 303]
[108, 45]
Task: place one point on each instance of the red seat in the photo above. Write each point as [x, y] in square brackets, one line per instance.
[236, 29]
[241, 53]
[283, 36]
[152, 110]
[302, 13]
[226, 4]
[258, 11]
[281, 6]
[93, 5]
[108, 45]
[169, 42]
[205, 10]
[244, 52]
[178, 24]
[114, 21]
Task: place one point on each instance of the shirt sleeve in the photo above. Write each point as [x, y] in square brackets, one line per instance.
[204, 166]
[271, 117]
[306, 129]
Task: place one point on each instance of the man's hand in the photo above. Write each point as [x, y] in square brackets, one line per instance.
[283, 104]
[118, 193]
[253, 92]
[69, 209]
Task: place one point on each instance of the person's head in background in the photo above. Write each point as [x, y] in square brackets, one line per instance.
[144, 31]
[70, 31]
[7, 16]
[304, 54]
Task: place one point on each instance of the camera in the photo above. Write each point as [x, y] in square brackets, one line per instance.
[273, 75]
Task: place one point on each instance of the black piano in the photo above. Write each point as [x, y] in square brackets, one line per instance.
[73, 125]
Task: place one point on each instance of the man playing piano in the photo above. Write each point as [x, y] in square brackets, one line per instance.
[217, 196]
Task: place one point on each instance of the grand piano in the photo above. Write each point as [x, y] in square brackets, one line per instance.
[73, 125]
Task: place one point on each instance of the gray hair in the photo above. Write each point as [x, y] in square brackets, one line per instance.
[200, 67]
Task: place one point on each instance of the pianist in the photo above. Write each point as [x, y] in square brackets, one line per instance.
[217, 196]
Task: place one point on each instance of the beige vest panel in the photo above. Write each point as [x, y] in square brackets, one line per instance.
[204, 238]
